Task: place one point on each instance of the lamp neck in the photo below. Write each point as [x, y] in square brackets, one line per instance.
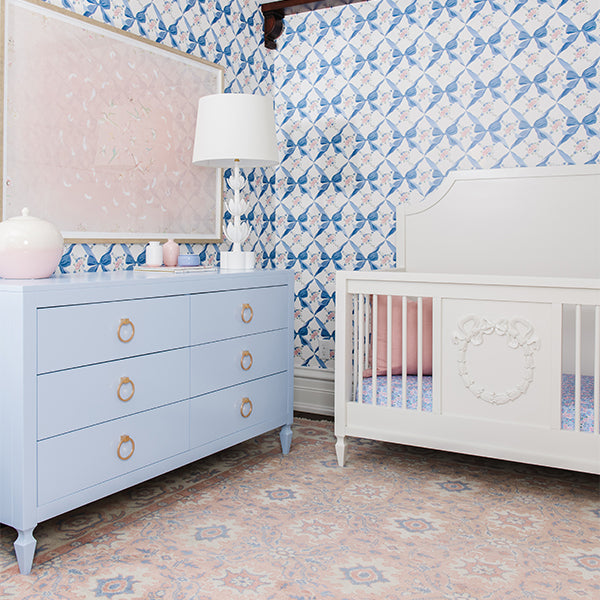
[236, 179]
[237, 184]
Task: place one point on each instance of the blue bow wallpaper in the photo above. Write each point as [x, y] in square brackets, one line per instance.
[376, 102]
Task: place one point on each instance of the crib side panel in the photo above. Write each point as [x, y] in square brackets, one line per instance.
[497, 361]
[497, 374]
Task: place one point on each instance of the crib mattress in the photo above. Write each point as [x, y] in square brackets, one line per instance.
[567, 405]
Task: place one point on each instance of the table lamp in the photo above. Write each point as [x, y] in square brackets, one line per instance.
[236, 131]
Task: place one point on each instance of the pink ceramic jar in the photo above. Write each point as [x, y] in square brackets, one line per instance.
[170, 253]
[30, 248]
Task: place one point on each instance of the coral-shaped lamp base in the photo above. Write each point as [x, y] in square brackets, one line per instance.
[237, 261]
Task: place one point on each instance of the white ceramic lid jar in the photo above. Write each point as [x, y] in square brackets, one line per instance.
[30, 248]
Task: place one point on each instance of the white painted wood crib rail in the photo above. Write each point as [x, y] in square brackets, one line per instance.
[479, 402]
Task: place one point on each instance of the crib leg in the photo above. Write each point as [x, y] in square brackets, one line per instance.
[340, 449]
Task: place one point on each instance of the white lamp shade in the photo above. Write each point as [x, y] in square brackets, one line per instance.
[235, 127]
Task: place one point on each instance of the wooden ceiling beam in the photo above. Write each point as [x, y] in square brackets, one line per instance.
[274, 12]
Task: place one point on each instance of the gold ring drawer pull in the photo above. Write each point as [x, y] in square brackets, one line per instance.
[126, 323]
[124, 440]
[125, 381]
[246, 408]
[246, 364]
[247, 313]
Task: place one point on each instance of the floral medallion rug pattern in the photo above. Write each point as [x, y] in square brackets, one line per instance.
[394, 523]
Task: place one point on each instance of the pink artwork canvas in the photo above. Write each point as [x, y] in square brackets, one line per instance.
[99, 131]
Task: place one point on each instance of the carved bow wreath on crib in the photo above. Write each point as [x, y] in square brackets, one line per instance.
[519, 334]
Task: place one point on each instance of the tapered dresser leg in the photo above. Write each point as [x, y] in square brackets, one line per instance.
[285, 435]
[340, 449]
[25, 549]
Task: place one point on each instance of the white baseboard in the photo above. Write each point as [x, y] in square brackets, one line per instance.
[313, 390]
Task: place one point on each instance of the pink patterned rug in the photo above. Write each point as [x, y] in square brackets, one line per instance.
[396, 523]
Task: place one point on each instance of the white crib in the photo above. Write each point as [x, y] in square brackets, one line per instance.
[493, 345]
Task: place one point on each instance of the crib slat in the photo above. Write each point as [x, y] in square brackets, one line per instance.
[436, 354]
[374, 334]
[361, 345]
[577, 367]
[557, 333]
[404, 347]
[596, 411]
[419, 354]
[389, 351]
[367, 330]
[357, 357]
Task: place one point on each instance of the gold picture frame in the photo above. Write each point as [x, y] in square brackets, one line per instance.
[98, 129]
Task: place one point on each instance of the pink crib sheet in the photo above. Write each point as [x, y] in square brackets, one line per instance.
[567, 409]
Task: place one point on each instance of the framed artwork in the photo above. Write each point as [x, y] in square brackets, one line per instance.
[98, 129]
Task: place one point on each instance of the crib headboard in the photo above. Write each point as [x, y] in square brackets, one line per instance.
[541, 221]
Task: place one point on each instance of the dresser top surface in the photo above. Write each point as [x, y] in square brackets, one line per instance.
[193, 280]
[121, 285]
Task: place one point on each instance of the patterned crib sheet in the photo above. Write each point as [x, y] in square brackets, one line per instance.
[412, 391]
[568, 397]
[568, 403]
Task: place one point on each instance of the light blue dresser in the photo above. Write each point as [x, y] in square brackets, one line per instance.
[109, 379]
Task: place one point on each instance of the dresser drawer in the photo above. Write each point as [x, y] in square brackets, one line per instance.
[70, 336]
[229, 362]
[83, 458]
[75, 398]
[219, 315]
[228, 411]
